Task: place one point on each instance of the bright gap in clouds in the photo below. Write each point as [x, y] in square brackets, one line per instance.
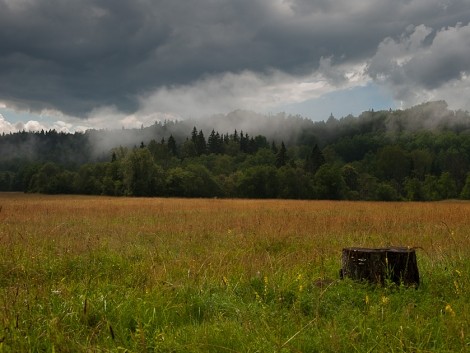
[341, 103]
[340, 89]
[14, 121]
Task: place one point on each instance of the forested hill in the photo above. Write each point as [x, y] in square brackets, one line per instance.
[422, 153]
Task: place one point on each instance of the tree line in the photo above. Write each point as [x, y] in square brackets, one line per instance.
[367, 161]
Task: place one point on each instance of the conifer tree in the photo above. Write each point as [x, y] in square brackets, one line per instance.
[243, 142]
[194, 135]
[212, 142]
[172, 145]
[200, 143]
[314, 160]
[219, 143]
[274, 147]
[281, 157]
[235, 136]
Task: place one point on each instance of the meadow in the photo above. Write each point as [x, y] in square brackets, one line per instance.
[101, 274]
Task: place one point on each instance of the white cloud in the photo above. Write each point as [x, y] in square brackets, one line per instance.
[6, 126]
[423, 65]
[454, 92]
[224, 93]
[34, 126]
[31, 125]
[251, 91]
[112, 118]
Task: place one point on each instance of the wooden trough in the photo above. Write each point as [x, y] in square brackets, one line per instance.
[397, 264]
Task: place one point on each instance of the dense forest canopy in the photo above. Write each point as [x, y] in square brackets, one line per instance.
[421, 153]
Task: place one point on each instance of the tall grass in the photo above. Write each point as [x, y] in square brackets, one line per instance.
[173, 275]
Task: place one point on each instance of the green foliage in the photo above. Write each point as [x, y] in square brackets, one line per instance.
[89, 179]
[294, 183]
[178, 182]
[447, 186]
[393, 163]
[314, 160]
[52, 179]
[465, 194]
[386, 192]
[388, 155]
[193, 181]
[258, 182]
[350, 177]
[263, 156]
[141, 176]
[422, 161]
[172, 145]
[414, 190]
[281, 156]
[329, 183]
[6, 181]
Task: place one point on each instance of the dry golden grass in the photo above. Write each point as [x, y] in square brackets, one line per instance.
[233, 235]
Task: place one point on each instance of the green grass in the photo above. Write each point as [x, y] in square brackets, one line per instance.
[111, 306]
[77, 282]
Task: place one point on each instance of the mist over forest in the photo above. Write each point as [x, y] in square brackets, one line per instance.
[421, 153]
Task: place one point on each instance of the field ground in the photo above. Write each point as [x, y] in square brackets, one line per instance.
[99, 274]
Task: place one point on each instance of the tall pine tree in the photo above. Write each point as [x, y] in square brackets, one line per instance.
[281, 157]
[201, 146]
[172, 145]
[314, 160]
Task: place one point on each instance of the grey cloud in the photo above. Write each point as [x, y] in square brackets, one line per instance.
[422, 60]
[76, 56]
[445, 59]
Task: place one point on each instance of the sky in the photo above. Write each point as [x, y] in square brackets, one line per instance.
[75, 65]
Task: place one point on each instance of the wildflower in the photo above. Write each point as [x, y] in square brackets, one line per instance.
[259, 300]
[299, 279]
[385, 300]
[367, 299]
[449, 310]
[457, 287]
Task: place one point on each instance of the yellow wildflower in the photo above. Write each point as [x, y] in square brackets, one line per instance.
[449, 310]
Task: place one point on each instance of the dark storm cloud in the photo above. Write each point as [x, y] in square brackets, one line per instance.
[75, 56]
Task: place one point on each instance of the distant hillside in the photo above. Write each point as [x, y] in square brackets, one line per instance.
[96, 145]
[421, 153]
